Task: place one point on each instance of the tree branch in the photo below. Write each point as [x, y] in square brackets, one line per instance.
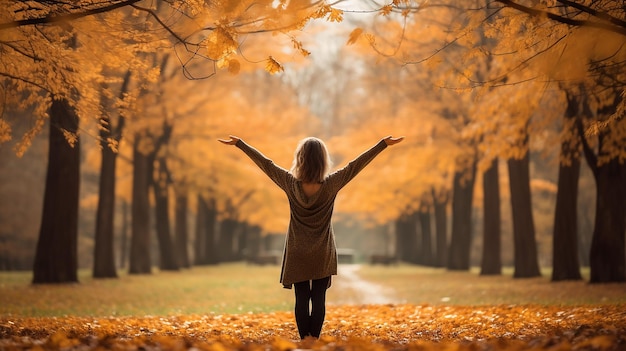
[569, 21]
[56, 18]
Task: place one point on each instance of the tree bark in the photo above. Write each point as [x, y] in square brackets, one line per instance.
[607, 255]
[227, 240]
[461, 238]
[167, 250]
[426, 245]
[124, 239]
[210, 233]
[199, 254]
[491, 263]
[441, 229]
[181, 228]
[56, 257]
[140, 261]
[565, 264]
[104, 253]
[525, 260]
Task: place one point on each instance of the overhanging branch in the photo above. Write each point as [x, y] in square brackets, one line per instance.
[56, 18]
[561, 19]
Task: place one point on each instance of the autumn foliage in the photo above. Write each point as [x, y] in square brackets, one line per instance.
[364, 327]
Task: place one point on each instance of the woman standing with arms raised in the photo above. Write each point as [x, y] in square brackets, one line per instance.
[310, 256]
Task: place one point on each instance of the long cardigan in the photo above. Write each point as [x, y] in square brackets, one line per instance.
[310, 251]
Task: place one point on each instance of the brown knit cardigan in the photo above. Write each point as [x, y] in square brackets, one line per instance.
[310, 251]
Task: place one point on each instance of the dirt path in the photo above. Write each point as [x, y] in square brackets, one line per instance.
[351, 289]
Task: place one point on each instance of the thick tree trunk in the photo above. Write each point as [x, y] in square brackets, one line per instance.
[525, 260]
[181, 229]
[427, 244]
[104, 254]
[461, 238]
[56, 257]
[140, 261]
[441, 229]
[167, 250]
[607, 257]
[491, 263]
[565, 264]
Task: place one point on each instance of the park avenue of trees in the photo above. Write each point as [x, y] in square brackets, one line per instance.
[135, 93]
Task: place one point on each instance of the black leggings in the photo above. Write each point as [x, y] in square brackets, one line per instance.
[313, 291]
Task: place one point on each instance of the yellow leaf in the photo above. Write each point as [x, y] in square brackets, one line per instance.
[386, 10]
[335, 15]
[354, 36]
[273, 66]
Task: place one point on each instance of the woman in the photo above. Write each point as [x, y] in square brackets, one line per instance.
[310, 257]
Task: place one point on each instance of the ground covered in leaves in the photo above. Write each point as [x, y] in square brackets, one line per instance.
[364, 327]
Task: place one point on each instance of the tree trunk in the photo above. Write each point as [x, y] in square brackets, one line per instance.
[227, 240]
[56, 256]
[565, 264]
[167, 251]
[607, 255]
[461, 238]
[104, 255]
[441, 229]
[491, 263]
[426, 245]
[124, 239]
[199, 254]
[210, 234]
[525, 260]
[140, 262]
[181, 229]
[401, 238]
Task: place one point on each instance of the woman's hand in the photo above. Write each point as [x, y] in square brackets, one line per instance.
[232, 141]
[392, 141]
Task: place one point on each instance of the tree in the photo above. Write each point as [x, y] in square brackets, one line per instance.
[110, 136]
[607, 257]
[491, 262]
[565, 264]
[56, 258]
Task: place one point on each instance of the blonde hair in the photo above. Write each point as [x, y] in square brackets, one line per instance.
[311, 161]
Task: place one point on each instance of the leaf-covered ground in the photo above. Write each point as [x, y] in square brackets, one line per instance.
[364, 327]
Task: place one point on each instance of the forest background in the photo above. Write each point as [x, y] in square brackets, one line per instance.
[154, 85]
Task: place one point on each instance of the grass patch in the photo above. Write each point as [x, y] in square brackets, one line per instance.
[239, 288]
[436, 286]
[227, 288]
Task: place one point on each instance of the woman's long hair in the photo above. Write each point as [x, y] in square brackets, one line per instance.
[311, 161]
